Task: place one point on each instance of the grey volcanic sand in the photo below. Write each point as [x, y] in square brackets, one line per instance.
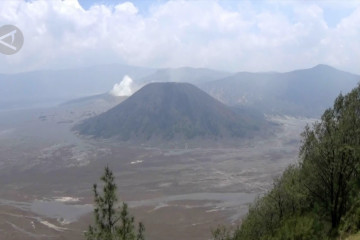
[179, 193]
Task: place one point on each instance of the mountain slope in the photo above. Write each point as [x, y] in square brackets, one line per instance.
[169, 111]
[306, 92]
[92, 105]
[51, 87]
[185, 74]
[99, 100]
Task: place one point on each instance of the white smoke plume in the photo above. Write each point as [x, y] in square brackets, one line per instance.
[123, 88]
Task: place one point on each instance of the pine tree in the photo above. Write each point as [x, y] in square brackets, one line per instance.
[140, 235]
[112, 223]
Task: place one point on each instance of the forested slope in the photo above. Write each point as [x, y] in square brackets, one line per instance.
[319, 197]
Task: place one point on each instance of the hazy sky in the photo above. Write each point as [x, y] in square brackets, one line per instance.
[226, 35]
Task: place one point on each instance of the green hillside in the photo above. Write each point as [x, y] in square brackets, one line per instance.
[318, 198]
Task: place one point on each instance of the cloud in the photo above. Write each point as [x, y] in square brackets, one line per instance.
[232, 36]
[123, 88]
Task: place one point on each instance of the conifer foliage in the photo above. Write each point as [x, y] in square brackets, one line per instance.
[112, 222]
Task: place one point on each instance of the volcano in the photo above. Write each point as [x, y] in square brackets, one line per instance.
[168, 111]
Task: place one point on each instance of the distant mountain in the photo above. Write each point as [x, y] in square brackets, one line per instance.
[306, 92]
[170, 111]
[185, 74]
[51, 87]
[99, 101]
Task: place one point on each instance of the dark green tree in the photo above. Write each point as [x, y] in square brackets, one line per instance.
[319, 197]
[331, 158]
[111, 221]
[221, 233]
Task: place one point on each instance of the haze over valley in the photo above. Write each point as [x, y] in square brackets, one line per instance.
[201, 162]
[195, 116]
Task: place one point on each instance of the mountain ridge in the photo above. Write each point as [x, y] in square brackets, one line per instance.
[304, 92]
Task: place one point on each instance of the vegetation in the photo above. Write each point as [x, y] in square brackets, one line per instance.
[112, 223]
[318, 198]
